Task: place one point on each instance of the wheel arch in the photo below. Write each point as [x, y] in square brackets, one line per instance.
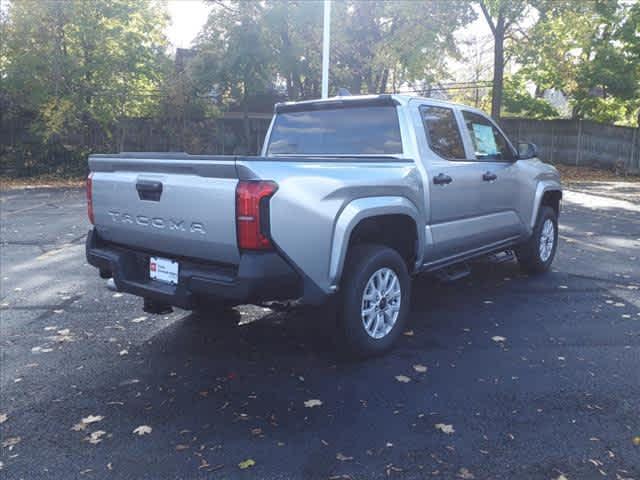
[547, 193]
[361, 218]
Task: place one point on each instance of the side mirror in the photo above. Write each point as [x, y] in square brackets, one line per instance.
[527, 150]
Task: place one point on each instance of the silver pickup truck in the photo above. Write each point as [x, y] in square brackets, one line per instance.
[350, 198]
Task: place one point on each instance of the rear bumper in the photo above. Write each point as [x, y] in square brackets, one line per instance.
[258, 277]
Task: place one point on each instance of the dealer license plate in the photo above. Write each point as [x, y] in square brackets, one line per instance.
[163, 270]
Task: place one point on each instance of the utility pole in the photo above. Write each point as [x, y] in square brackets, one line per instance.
[325, 48]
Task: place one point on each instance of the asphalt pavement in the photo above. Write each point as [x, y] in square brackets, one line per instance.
[500, 375]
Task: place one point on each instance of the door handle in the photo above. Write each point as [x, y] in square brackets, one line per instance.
[149, 190]
[489, 177]
[442, 179]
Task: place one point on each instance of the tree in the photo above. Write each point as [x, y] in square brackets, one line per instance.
[501, 16]
[382, 44]
[374, 44]
[73, 65]
[591, 52]
[235, 59]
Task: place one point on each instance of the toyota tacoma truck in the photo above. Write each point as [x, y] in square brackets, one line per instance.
[350, 198]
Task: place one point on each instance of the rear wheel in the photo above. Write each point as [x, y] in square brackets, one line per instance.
[375, 300]
[537, 253]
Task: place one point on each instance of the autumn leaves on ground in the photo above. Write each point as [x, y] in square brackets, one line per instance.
[498, 375]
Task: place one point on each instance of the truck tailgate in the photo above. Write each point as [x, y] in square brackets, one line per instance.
[178, 204]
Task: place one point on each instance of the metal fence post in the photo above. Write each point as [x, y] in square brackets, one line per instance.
[579, 142]
[634, 137]
[552, 142]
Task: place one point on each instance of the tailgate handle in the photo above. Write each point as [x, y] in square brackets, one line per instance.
[149, 190]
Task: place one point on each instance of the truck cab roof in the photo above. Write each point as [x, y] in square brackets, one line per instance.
[351, 100]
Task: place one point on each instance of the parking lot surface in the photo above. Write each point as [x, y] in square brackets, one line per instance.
[499, 376]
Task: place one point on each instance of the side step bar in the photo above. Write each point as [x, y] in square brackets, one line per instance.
[454, 272]
[463, 269]
[501, 257]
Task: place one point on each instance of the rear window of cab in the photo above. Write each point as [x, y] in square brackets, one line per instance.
[357, 130]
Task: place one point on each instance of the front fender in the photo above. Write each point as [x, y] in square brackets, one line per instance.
[542, 187]
[356, 211]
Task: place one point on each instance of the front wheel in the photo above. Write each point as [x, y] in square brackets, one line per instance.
[537, 253]
[375, 300]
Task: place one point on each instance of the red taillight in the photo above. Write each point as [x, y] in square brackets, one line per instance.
[90, 198]
[252, 214]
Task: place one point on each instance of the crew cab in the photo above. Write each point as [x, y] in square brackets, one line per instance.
[350, 198]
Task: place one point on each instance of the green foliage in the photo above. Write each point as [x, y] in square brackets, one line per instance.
[381, 45]
[376, 45]
[518, 102]
[68, 66]
[590, 51]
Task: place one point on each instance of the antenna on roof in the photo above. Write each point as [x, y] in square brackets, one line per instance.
[343, 92]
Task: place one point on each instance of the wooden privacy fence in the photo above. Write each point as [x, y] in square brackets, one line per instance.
[570, 142]
[579, 142]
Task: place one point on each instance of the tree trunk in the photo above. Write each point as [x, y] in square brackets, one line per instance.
[383, 81]
[498, 69]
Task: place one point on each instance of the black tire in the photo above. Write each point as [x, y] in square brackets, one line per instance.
[363, 261]
[529, 254]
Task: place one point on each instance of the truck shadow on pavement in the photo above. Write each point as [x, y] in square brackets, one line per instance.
[493, 351]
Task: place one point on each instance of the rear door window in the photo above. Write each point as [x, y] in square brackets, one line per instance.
[441, 130]
[365, 130]
[488, 143]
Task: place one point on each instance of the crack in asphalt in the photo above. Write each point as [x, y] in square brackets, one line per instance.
[50, 311]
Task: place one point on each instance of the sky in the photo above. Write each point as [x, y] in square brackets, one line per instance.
[187, 18]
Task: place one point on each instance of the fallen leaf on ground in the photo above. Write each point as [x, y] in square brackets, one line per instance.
[95, 437]
[465, 474]
[142, 430]
[403, 378]
[249, 462]
[444, 428]
[10, 442]
[636, 441]
[498, 338]
[86, 421]
[3, 417]
[343, 458]
[314, 402]
[420, 368]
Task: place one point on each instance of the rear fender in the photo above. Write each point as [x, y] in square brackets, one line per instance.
[358, 210]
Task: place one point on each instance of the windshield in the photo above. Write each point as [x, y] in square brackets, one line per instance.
[366, 130]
